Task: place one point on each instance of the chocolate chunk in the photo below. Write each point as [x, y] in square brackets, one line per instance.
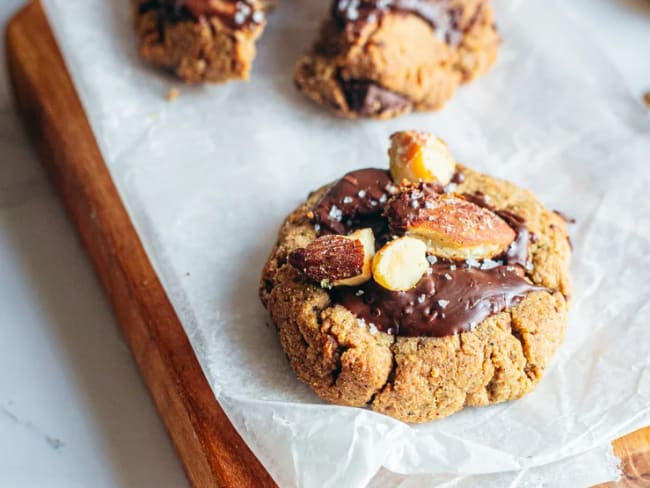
[368, 99]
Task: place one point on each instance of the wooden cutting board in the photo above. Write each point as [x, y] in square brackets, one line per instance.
[211, 450]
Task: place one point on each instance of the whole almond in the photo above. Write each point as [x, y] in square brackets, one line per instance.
[336, 260]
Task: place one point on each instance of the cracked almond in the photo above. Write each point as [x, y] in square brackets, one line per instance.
[420, 157]
[400, 264]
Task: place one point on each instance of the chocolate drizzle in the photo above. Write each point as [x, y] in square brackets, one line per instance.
[565, 217]
[437, 13]
[237, 14]
[452, 297]
[450, 300]
[517, 253]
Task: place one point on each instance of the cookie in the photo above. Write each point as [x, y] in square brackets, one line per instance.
[418, 297]
[200, 40]
[381, 59]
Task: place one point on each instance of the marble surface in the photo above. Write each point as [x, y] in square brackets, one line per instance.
[73, 409]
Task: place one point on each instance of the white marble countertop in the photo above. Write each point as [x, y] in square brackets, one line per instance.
[73, 410]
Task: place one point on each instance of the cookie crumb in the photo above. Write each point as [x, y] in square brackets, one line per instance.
[173, 94]
[646, 98]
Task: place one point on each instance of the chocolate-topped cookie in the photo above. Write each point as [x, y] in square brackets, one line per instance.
[383, 58]
[419, 290]
[200, 40]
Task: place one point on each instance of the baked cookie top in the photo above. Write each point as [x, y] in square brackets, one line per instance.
[384, 58]
[385, 265]
[200, 40]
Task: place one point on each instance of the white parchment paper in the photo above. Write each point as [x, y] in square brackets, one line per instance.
[209, 177]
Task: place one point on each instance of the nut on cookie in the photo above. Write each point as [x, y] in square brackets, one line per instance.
[419, 156]
[399, 265]
[450, 226]
[335, 260]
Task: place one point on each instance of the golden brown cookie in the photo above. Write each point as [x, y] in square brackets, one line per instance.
[381, 59]
[200, 40]
[419, 342]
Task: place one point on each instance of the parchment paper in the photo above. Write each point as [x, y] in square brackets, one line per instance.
[208, 178]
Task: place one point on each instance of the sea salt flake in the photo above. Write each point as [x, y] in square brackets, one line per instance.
[422, 298]
[392, 189]
[443, 303]
[348, 199]
[432, 259]
[361, 193]
[359, 293]
[448, 276]
[490, 264]
[335, 213]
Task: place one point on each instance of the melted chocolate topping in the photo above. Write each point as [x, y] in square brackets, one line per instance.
[357, 200]
[236, 14]
[437, 13]
[517, 253]
[409, 205]
[453, 297]
[450, 300]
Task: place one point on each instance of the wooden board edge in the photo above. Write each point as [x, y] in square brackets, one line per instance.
[211, 450]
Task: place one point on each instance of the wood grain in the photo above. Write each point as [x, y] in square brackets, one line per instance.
[211, 450]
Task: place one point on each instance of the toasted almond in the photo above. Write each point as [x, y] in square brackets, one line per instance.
[336, 260]
[454, 228]
[367, 240]
[419, 156]
[400, 264]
